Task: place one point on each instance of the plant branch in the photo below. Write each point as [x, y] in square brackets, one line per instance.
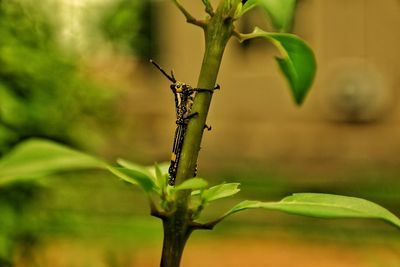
[209, 225]
[237, 35]
[241, 37]
[189, 18]
[256, 33]
[201, 226]
[209, 8]
[217, 31]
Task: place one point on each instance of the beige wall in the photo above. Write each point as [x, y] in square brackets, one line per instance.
[351, 115]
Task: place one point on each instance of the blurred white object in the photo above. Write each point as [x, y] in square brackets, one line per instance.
[354, 90]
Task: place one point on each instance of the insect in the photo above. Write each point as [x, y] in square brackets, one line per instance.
[184, 96]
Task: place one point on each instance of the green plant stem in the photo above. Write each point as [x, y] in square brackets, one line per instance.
[178, 226]
[176, 233]
[217, 33]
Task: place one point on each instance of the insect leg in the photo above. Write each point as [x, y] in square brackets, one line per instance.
[202, 90]
[217, 87]
[191, 115]
[186, 118]
[208, 127]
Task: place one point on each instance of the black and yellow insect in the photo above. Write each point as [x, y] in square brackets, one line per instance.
[184, 96]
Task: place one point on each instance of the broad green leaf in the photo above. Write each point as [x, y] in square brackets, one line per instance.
[136, 177]
[323, 206]
[38, 157]
[193, 183]
[280, 12]
[297, 60]
[220, 191]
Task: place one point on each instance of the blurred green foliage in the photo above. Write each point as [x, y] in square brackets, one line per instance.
[16, 227]
[41, 90]
[42, 94]
[128, 25]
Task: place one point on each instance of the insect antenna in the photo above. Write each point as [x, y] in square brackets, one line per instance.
[171, 78]
[172, 75]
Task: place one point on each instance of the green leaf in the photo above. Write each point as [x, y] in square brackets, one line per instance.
[193, 183]
[158, 173]
[244, 205]
[297, 60]
[323, 206]
[162, 177]
[280, 12]
[136, 177]
[250, 4]
[220, 191]
[38, 157]
[133, 166]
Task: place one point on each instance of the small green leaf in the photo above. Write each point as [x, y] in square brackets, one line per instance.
[133, 166]
[38, 157]
[280, 12]
[122, 175]
[149, 171]
[244, 205]
[297, 60]
[161, 176]
[323, 206]
[250, 4]
[220, 191]
[160, 172]
[193, 183]
[136, 177]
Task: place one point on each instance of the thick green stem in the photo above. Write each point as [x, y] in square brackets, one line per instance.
[178, 226]
[217, 33]
[176, 233]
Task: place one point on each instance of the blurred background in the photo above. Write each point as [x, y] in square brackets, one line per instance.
[78, 72]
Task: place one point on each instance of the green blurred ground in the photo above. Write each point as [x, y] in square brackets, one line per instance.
[109, 217]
